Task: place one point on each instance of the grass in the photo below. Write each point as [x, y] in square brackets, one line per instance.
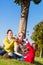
[38, 61]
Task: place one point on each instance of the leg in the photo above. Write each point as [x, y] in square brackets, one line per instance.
[16, 56]
[2, 52]
[11, 55]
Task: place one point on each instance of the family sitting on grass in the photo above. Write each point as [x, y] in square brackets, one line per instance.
[18, 48]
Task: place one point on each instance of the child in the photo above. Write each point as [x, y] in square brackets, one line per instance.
[29, 57]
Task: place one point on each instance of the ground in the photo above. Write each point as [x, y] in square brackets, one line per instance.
[38, 61]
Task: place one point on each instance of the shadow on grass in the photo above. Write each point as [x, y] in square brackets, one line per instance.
[37, 63]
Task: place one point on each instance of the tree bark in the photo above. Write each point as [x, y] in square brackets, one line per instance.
[41, 53]
[24, 17]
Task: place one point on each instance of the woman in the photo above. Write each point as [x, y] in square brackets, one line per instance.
[9, 42]
[18, 45]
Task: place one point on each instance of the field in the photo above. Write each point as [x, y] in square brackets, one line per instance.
[38, 61]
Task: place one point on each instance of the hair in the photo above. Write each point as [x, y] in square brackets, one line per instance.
[22, 33]
[36, 45]
[8, 30]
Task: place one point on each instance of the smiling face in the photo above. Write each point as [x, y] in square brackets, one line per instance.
[9, 34]
[21, 36]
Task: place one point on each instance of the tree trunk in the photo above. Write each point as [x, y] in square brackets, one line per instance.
[41, 53]
[24, 17]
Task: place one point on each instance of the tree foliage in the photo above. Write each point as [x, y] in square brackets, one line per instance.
[19, 1]
[36, 1]
[37, 35]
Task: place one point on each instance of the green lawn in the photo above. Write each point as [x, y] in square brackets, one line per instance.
[38, 61]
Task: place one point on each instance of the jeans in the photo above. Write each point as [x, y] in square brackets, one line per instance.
[16, 56]
[2, 52]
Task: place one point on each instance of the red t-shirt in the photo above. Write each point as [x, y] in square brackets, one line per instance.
[29, 57]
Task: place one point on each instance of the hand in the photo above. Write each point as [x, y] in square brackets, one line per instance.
[18, 41]
[13, 40]
[25, 39]
[25, 56]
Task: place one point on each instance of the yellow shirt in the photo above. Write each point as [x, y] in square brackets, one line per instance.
[9, 46]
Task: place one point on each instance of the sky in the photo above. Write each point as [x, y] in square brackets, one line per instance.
[10, 18]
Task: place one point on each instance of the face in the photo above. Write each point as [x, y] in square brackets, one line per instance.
[20, 36]
[10, 34]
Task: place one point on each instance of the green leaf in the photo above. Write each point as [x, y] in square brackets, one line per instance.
[17, 2]
[37, 35]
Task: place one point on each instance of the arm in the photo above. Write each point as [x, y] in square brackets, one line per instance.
[15, 49]
[27, 43]
[8, 44]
